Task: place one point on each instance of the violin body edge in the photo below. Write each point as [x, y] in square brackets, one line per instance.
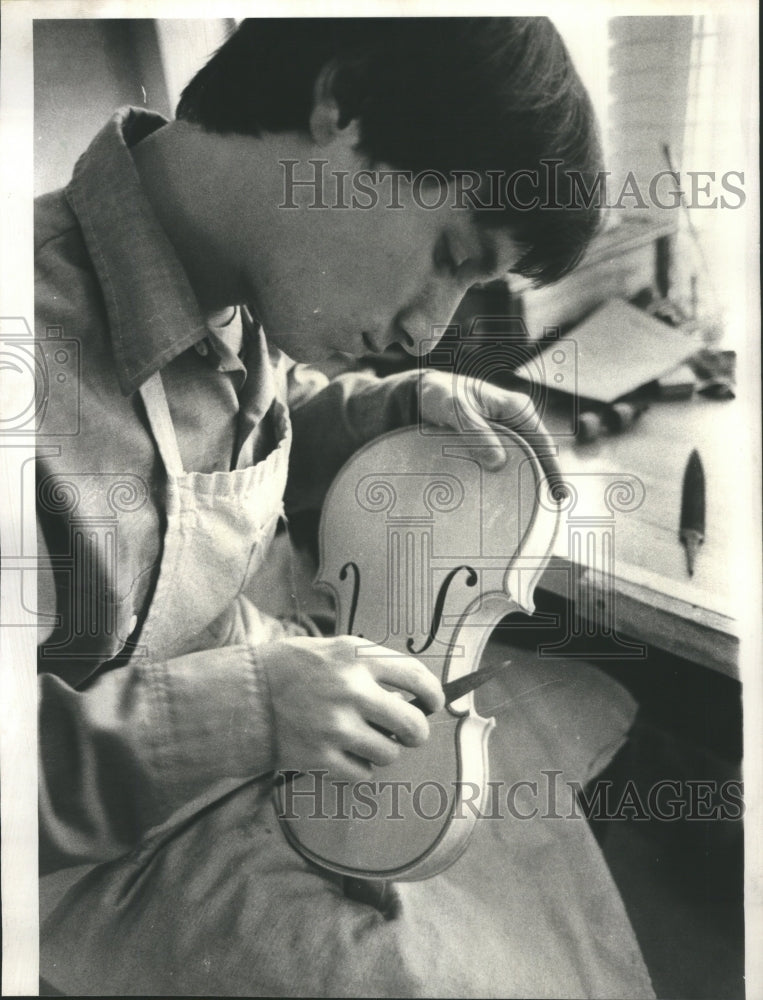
[453, 840]
[393, 516]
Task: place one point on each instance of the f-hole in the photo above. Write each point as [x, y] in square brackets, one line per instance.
[442, 593]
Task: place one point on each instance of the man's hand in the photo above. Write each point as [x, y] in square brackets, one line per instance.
[467, 404]
[327, 698]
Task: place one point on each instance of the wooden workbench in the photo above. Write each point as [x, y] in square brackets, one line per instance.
[644, 592]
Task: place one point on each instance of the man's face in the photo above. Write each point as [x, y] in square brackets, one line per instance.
[349, 281]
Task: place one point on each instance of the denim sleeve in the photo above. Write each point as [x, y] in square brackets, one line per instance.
[143, 742]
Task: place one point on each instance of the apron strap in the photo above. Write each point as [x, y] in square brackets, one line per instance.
[158, 412]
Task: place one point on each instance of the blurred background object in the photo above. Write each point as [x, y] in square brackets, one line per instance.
[86, 68]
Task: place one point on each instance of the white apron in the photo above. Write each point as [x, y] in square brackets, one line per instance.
[222, 905]
[219, 528]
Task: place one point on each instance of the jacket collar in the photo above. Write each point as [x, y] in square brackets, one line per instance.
[152, 310]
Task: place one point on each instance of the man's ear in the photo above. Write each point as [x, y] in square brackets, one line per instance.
[326, 123]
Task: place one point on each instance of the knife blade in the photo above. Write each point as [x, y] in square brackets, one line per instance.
[454, 690]
[462, 685]
[692, 525]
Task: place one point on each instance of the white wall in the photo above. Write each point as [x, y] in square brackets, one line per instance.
[84, 69]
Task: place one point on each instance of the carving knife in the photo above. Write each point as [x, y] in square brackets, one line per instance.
[454, 690]
[462, 685]
[692, 526]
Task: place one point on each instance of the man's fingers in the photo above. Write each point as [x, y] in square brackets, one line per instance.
[544, 446]
[373, 745]
[344, 766]
[395, 716]
[407, 674]
[494, 447]
[491, 451]
[479, 403]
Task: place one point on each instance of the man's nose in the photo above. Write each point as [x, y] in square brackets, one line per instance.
[422, 328]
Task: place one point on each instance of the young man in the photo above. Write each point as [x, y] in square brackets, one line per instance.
[195, 262]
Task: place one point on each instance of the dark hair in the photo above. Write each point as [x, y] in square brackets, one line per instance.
[445, 94]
